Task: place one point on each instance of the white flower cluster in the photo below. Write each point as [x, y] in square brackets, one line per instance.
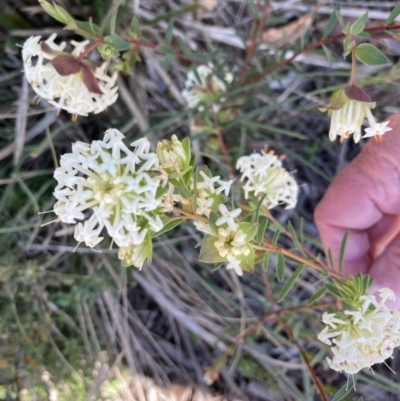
[348, 120]
[265, 177]
[205, 190]
[204, 196]
[206, 87]
[114, 182]
[231, 242]
[362, 337]
[66, 92]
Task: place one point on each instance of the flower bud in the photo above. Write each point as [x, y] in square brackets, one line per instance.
[136, 254]
[174, 155]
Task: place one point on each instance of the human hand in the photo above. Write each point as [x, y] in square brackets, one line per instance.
[364, 199]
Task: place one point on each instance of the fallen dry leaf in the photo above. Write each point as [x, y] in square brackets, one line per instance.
[209, 5]
[288, 33]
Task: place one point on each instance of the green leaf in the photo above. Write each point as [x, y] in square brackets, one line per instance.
[330, 25]
[169, 31]
[167, 62]
[165, 50]
[328, 54]
[348, 44]
[266, 261]
[169, 15]
[294, 238]
[209, 253]
[343, 392]
[370, 55]
[338, 14]
[117, 42]
[57, 12]
[135, 26]
[330, 258]
[167, 227]
[247, 261]
[359, 25]
[262, 227]
[280, 267]
[316, 296]
[366, 283]
[301, 234]
[63, 15]
[393, 15]
[84, 28]
[332, 289]
[184, 192]
[276, 237]
[250, 229]
[257, 213]
[364, 35]
[289, 284]
[343, 250]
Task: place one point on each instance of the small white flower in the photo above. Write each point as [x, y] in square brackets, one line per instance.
[348, 115]
[234, 263]
[224, 187]
[122, 194]
[204, 206]
[207, 87]
[203, 227]
[265, 178]
[228, 217]
[67, 92]
[208, 182]
[377, 130]
[362, 337]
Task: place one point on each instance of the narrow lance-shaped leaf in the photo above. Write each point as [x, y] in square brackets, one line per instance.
[294, 237]
[358, 26]
[330, 258]
[331, 288]
[343, 392]
[343, 250]
[290, 282]
[266, 261]
[57, 12]
[393, 15]
[301, 230]
[169, 31]
[167, 227]
[328, 55]
[280, 267]
[261, 231]
[257, 213]
[276, 237]
[317, 296]
[329, 25]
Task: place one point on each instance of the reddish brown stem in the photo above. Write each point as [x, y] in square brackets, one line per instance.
[353, 66]
[223, 146]
[255, 35]
[270, 247]
[90, 48]
[311, 47]
[310, 369]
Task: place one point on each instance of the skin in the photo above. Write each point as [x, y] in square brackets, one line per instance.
[364, 199]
